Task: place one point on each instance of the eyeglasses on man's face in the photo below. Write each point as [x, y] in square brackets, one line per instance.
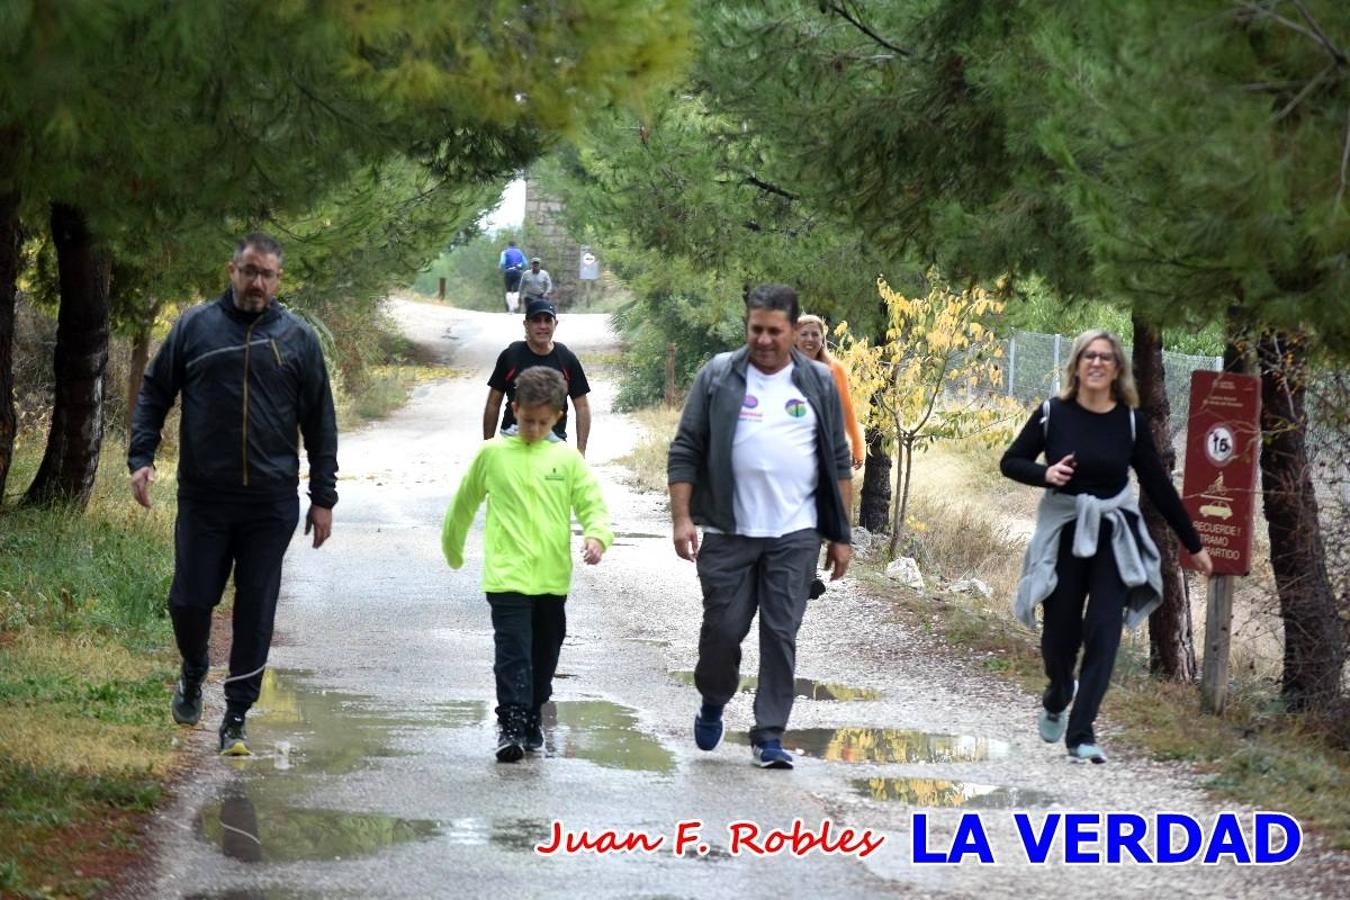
[251, 272]
[1095, 355]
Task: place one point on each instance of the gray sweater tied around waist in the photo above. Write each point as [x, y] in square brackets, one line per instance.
[1137, 557]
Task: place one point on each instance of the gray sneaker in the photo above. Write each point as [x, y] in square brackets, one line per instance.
[1087, 753]
[1052, 725]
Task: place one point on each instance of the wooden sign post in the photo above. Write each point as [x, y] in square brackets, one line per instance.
[1223, 439]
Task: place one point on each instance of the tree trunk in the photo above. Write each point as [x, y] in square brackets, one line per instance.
[1171, 650]
[11, 241]
[140, 358]
[81, 360]
[897, 523]
[874, 503]
[1314, 642]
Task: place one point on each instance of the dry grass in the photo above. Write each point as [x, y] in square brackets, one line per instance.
[648, 459]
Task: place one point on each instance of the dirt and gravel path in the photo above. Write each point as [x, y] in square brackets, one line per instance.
[375, 775]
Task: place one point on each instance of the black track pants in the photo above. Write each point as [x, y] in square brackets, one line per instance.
[211, 539]
[527, 631]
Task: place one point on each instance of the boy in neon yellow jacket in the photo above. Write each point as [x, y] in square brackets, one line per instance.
[533, 486]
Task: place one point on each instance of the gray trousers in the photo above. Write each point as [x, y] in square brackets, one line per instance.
[740, 575]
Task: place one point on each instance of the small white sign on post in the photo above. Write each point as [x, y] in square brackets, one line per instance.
[590, 266]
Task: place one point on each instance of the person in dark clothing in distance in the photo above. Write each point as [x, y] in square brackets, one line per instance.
[1090, 541]
[251, 376]
[538, 349]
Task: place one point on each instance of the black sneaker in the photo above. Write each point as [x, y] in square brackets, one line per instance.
[233, 740]
[534, 734]
[509, 747]
[187, 701]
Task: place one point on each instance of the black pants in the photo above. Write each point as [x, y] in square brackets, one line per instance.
[527, 631]
[1067, 629]
[211, 538]
[512, 278]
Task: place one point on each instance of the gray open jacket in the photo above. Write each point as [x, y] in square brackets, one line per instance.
[700, 454]
[251, 388]
[1137, 556]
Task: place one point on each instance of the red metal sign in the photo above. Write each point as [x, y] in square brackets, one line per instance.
[1223, 440]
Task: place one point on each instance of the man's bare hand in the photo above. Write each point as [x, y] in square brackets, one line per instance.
[321, 520]
[686, 539]
[141, 480]
[838, 556]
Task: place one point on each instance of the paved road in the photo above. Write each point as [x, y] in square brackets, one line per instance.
[375, 775]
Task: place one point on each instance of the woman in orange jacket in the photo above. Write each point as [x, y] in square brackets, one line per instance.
[811, 342]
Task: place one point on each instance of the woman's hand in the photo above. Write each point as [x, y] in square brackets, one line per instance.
[1059, 474]
[1203, 562]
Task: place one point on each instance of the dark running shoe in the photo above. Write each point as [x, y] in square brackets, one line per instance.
[187, 701]
[534, 734]
[708, 727]
[233, 740]
[509, 748]
[771, 755]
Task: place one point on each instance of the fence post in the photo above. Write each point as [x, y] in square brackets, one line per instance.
[1056, 363]
[440, 289]
[1012, 362]
[1218, 635]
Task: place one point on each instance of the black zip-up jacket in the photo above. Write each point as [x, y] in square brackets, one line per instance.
[252, 385]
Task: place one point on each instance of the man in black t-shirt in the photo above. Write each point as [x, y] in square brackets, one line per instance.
[538, 349]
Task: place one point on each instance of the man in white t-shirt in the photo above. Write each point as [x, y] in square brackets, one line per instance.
[761, 461]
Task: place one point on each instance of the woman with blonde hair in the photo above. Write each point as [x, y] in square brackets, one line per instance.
[811, 342]
[1090, 542]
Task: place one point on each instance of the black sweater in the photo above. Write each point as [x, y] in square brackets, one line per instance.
[1104, 453]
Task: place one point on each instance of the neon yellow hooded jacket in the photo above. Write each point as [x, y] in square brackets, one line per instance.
[532, 491]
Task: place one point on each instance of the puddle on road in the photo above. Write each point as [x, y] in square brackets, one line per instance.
[314, 730]
[604, 733]
[886, 745]
[460, 713]
[804, 687]
[515, 835]
[934, 792]
[265, 829]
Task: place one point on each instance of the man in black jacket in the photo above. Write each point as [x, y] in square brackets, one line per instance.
[251, 376]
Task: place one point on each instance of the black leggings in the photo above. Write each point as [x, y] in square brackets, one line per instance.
[1066, 629]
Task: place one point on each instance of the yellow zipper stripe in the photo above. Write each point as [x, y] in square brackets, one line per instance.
[248, 348]
[275, 351]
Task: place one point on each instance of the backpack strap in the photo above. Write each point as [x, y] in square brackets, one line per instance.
[1133, 435]
[1045, 419]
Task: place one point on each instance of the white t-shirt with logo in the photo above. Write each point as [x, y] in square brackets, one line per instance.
[774, 457]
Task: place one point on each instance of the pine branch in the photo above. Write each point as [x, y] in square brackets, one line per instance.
[1336, 52]
[1307, 89]
[770, 188]
[857, 22]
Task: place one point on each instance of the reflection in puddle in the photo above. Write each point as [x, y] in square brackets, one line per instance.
[516, 835]
[804, 687]
[887, 745]
[267, 830]
[604, 733]
[933, 792]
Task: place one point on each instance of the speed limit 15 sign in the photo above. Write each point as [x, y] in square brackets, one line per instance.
[1223, 438]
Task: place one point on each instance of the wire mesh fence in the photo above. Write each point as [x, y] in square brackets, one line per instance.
[1033, 366]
